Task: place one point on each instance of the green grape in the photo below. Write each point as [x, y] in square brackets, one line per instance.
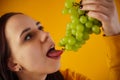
[70, 0]
[72, 11]
[71, 40]
[95, 21]
[98, 23]
[82, 42]
[79, 36]
[86, 36]
[68, 4]
[96, 29]
[68, 33]
[73, 32]
[65, 11]
[68, 27]
[81, 12]
[89, 24]
[78, 45]
[89, 30]
[74, 16]
[80, 27]
[75, 48]
[60, 44]
[83, 19]
[91, 19]
[75, 21]
[64, 41]
[68, 47]
[73, 26]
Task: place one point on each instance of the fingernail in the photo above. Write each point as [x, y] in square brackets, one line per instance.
[81, 6]
[86, 12]
[63, 49]
[80, 2]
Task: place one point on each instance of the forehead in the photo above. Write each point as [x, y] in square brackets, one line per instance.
[17, 23]
[20, 21]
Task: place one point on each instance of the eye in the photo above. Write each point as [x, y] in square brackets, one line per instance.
[41, 28]
[28, 37]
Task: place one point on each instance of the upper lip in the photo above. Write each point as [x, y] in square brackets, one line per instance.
[52, 46]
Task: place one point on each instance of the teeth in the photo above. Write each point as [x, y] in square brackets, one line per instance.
[52, 46]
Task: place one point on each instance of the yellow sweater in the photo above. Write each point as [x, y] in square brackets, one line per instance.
[113, 55]
[113, 43]
[69, 75]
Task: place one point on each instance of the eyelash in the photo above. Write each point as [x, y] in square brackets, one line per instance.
[28, 37]
[31, 35]
[41, 28]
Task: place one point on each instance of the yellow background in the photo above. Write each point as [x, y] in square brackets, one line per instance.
[90, 60]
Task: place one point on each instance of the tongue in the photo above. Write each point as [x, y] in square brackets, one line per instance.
[55, 53]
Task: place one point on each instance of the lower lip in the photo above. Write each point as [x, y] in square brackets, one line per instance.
[56, 57]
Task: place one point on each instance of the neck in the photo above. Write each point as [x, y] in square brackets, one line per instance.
[31, 76]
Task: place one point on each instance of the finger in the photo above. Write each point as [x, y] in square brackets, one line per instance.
[100, 16]
[97, 2]
[96, 8]
[109, 0]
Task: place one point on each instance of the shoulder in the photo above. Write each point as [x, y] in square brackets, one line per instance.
[71, 75]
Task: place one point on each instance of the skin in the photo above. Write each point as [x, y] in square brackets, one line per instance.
[29, 52]
[30, 55]
[106, 12]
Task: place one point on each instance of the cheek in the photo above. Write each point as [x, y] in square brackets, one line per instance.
[31, 56]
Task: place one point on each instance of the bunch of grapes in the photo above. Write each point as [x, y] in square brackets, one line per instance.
[79, 29]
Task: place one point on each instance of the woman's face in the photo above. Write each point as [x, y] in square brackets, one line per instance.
[31, 47]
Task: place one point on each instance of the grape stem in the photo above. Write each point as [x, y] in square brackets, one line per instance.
[63, 49]
[76, 4]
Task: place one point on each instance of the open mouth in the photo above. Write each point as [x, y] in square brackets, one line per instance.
[53, 53]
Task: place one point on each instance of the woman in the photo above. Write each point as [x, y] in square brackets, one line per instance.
[27, 52]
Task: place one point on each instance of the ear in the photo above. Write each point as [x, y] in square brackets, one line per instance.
[12, 65]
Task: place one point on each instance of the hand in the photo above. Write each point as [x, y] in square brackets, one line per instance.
[106, 12]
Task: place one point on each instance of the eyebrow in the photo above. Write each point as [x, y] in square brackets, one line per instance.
[25, 30]
[37, 23]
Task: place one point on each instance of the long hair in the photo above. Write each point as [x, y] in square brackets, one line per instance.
[5, 73]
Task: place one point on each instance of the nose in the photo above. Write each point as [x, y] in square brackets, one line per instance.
[44, 36]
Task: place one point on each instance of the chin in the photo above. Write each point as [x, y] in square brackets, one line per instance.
[54, 69]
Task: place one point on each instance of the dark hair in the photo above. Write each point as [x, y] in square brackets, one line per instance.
[5, 73]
